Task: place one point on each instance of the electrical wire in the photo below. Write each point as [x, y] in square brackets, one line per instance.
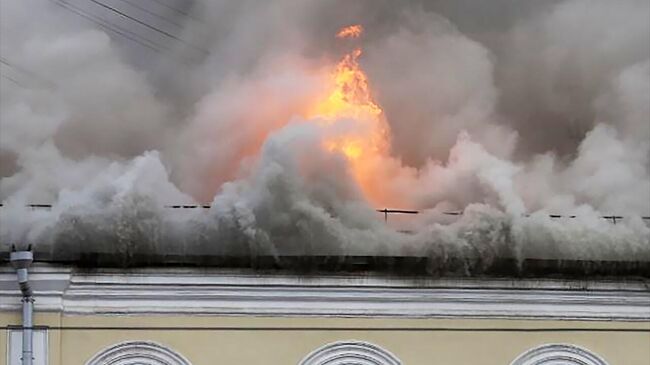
[184, 13]
[134, 37]
[149, 26]
[145, 10]
[13, 81]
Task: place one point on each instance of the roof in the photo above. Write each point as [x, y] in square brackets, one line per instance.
[412, 266]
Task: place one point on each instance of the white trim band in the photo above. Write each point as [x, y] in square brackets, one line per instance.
[218, 292]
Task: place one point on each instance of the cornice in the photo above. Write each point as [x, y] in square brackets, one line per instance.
[228, 292]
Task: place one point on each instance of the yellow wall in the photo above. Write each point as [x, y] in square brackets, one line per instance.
[3, 343]
[70, 347]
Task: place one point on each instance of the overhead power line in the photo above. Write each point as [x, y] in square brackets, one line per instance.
[145, 10]
[31, 74]
[181, 12]
[13, 81]
[144, 24]
[134, 37]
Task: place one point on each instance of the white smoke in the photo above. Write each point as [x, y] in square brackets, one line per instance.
[549, 115]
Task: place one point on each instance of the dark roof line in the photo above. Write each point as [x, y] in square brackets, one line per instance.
[400, 266]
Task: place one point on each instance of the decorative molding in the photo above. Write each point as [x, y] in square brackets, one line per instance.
[138, 352]
[350, 352]
[559, 354]
[222, 292]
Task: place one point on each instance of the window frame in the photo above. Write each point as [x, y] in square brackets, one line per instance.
[547, 354]
[336, 353]
[149, 352]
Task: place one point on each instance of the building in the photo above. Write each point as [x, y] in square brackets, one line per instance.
[366, 311]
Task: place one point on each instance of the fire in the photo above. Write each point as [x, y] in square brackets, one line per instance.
[352, 31]
[350, 98]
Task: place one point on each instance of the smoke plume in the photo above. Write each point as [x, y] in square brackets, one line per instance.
[508, 112]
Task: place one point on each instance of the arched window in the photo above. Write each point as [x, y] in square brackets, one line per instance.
[558, 354]
[138, 353]
[350, 352]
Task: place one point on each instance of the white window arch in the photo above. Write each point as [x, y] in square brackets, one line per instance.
[138, 353]
[350, 352]
[559, 354]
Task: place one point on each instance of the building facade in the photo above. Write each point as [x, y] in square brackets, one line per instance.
[200, 316]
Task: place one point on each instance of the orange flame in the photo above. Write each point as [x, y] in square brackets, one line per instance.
[352, 31]
[350, 98]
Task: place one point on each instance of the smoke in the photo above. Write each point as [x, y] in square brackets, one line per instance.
[510, 117]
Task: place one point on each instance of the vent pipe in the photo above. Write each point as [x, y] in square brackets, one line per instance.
[21, 260]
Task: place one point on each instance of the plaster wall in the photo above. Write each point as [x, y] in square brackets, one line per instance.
[458, 344]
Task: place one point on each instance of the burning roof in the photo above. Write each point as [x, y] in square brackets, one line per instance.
[293, 130]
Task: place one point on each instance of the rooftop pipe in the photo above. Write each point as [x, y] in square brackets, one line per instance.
[21, 260]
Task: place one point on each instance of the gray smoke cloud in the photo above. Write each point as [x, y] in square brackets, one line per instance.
[508, 112]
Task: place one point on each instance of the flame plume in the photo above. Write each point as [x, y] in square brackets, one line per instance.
[350, 98]
[352, 31]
